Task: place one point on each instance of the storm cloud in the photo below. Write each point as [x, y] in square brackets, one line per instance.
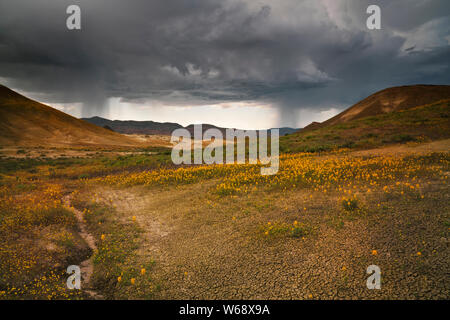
[289, 54]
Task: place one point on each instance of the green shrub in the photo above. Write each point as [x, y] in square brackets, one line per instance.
[298, 232]
[349, 144]
[350, 204]
[402, 138]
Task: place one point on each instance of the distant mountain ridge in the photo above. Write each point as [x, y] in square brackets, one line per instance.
[135, 127]
[161, 128]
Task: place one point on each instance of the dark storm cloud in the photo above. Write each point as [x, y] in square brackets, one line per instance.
[293, 54]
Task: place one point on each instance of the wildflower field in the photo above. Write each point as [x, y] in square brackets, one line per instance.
[226, 231]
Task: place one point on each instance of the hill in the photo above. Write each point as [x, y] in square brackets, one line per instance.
[406, 123]
[388, 100]
[135, 127]
[286, 130]
[25, 122]
[157, 128]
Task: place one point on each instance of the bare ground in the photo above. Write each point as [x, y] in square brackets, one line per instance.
[204, 254]
[207, 247]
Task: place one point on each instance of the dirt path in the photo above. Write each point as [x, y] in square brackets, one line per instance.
[86, 266]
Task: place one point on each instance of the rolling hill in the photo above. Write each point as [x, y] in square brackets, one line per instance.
[394, 115]
[25, 122]
[135, 127]
[161, 128]
[386, 101]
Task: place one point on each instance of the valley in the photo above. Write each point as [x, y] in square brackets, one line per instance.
[341, 201]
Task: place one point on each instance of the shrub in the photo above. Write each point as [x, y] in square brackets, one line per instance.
[402, 138]
[275, 229]
[350, 204]
[298, 231]
[371, 135]
[314, 149]
[349, 144]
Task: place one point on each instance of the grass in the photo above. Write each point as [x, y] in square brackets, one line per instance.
[74, 167]
[424, 123]
[115, 261]
[337, 205]
[38, 237]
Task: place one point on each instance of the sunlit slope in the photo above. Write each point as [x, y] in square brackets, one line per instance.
[30, 123]
[423, 123]
[390, 100]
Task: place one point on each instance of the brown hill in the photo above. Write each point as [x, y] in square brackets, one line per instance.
[313, 125]
[389, 100]
[429, 122]
[26, 122]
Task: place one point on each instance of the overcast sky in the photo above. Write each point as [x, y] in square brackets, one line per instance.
[236, 63]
